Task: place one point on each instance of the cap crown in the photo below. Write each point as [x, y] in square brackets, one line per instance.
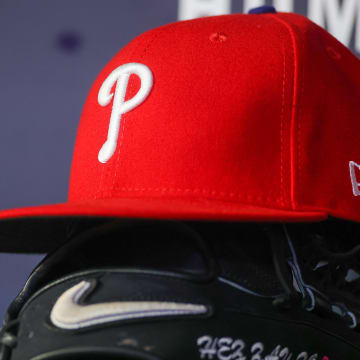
[255, 109]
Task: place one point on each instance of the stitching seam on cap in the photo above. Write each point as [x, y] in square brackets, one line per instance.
[124, 123]
[218, 195]
[282, 131]
[293, 111]
[300, 156]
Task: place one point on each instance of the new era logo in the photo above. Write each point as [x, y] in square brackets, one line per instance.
[355, 184]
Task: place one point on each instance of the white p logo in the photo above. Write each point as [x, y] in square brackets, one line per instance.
[120, 76]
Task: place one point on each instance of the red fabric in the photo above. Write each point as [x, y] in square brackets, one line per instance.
[250, 117]
[326, 127]
[166, 208]
[213, 126]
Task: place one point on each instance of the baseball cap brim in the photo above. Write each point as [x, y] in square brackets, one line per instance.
[40, 229]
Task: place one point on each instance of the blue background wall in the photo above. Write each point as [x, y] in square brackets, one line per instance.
[50, 53]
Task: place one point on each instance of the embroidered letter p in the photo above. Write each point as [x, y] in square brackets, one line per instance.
[120, 76]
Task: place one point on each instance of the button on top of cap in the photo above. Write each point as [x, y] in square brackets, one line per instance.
[263, 10]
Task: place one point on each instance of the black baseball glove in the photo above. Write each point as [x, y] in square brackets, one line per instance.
[187, 291]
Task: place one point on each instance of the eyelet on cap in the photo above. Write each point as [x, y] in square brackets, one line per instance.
[263, 10]
[333, 53]
[218, 37]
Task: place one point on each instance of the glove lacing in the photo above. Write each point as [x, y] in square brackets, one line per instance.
[329, 272]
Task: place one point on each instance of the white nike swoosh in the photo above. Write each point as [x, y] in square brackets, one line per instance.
[67, 313]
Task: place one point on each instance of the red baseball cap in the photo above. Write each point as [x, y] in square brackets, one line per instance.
[234, 118]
